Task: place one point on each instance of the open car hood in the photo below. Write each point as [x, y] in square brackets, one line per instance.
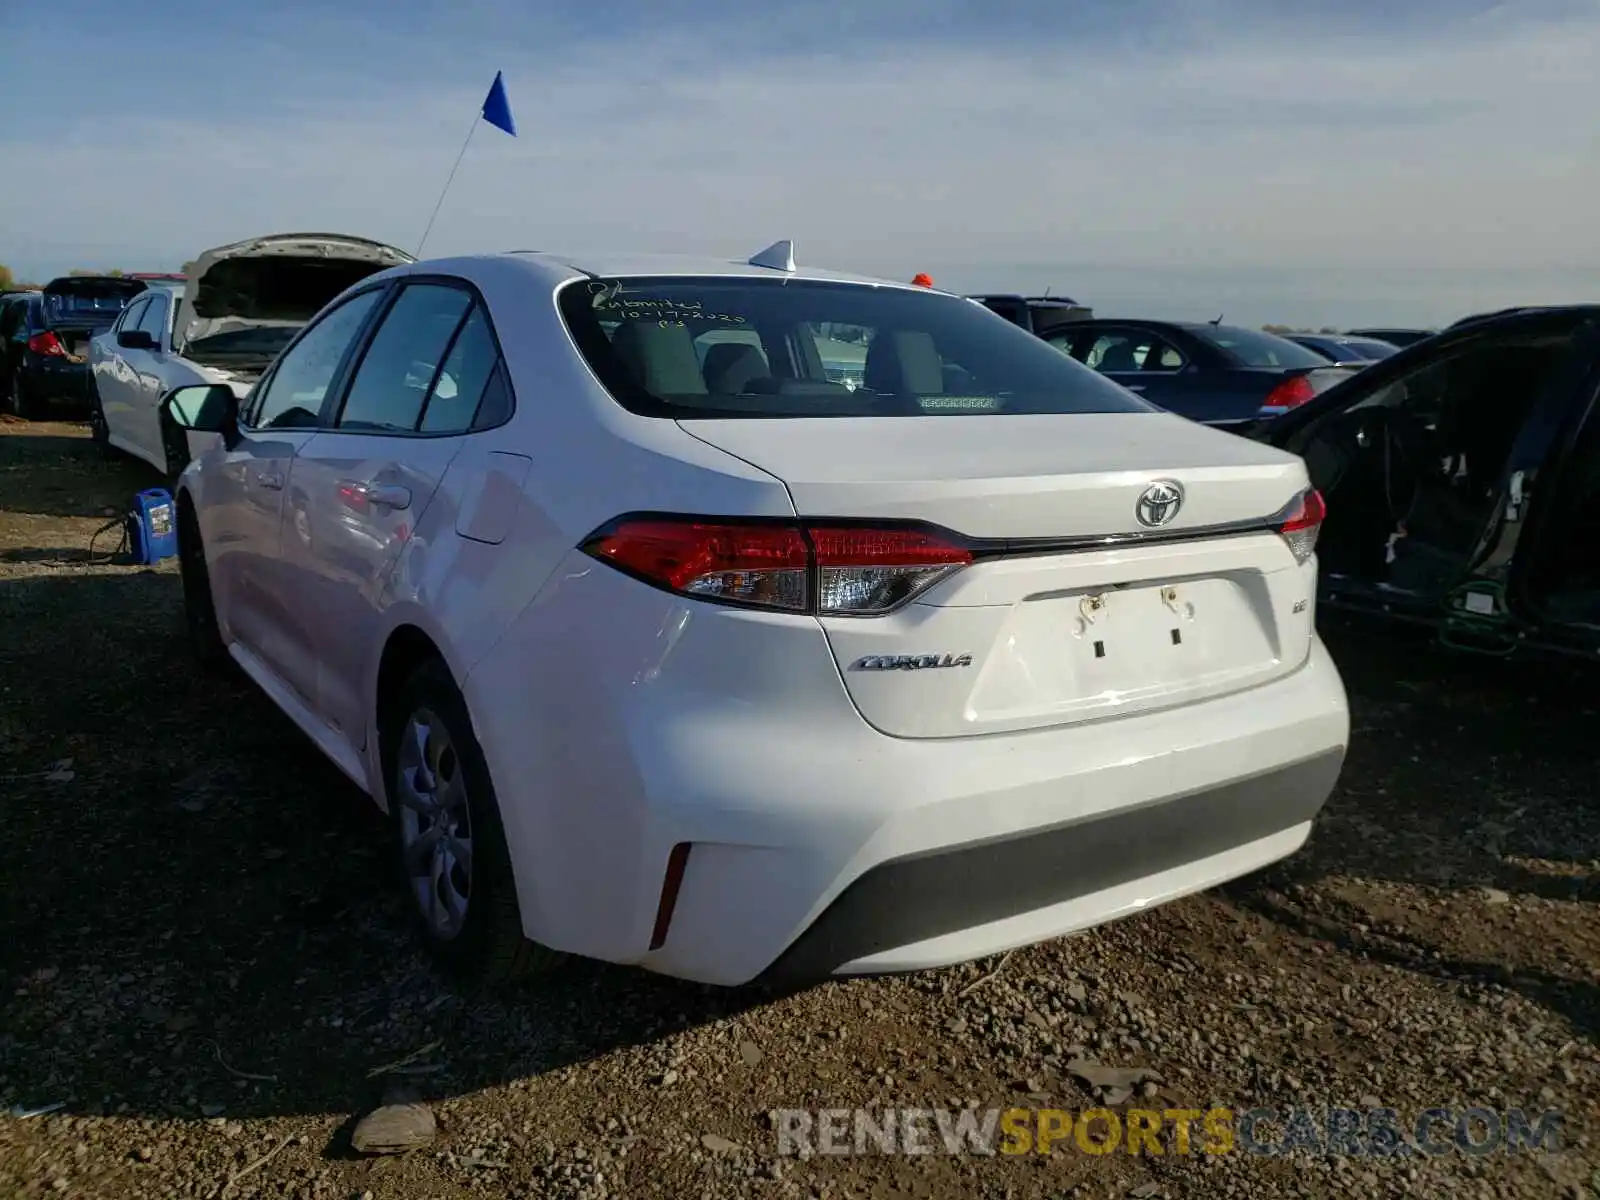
[278, 281]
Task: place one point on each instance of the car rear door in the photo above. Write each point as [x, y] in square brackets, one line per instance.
[1142, 361]
[363, 485]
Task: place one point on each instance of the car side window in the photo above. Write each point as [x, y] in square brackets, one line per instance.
[1065, 340]
[495, 407]
[397, 374]
[1163, 356]
[129, 320]
[154, 320]
[1132, 350]
[292, 398]
[457, 394]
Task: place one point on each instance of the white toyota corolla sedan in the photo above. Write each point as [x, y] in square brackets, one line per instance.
[661, 647]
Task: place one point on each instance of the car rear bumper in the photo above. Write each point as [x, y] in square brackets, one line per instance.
[620, 723]
[966, 901]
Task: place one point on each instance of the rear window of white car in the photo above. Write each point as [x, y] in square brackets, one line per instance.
[688, 347]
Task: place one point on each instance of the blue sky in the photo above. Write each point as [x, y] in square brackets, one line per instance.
[1313, 163]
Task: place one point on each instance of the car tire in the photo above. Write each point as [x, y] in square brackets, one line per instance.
[174, 448]
[99, 431]
[199, 606]
[438, 786]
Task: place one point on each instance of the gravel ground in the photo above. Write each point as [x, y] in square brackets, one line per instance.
[210, 975]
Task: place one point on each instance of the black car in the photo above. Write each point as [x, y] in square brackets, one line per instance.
[1461, 477]
[1218, 374]
[1395, 337]
[46, 339]
[1343, 349]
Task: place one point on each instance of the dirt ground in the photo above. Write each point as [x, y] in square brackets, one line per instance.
[208, 972]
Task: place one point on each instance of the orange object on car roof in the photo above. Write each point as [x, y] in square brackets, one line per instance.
[922, 279]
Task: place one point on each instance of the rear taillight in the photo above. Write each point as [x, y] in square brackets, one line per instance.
[47, 344]
[1300, 523]
[822, 568]
[1291, 393]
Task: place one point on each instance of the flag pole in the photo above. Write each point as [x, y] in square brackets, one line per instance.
[448, 181]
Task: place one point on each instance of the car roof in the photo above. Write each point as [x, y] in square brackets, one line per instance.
[554, 268]
[1035, 301]
[1156, 323]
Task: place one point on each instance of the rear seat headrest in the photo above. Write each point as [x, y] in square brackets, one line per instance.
[731, 366]
[904, 360]
[660, 357]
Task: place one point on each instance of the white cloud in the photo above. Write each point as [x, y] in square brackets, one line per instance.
[1474, 148]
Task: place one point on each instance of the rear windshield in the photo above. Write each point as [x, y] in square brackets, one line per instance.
[90, 300]
[1373, 350]
[709, 347]
[1253, 348]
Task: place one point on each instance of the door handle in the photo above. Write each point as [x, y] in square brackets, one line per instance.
[379, 495]
[1134, 387]
[270, 480]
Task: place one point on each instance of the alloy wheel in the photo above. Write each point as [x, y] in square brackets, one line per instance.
[435, 823]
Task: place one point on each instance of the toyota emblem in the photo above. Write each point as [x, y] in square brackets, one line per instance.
[1159, 503]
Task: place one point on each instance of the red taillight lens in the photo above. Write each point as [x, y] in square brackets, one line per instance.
[47, 344]
[1301, 522]
[837, 570]
[1291, 393]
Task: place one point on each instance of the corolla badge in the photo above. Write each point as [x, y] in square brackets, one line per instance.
[1159, 503]
[910, 662]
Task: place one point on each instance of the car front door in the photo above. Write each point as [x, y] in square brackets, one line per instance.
[1554, 448]
[113, 378]
[145, 372]
[247, 482]
[363, 485]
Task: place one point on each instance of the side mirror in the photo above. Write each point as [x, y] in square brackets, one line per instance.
[136, 339]
[207, 408]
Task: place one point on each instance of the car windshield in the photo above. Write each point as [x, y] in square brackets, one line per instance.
[1254, 348]
[688, 347]
[251, 343]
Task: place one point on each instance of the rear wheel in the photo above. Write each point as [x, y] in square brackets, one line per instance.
[199, 608]
[452, 847]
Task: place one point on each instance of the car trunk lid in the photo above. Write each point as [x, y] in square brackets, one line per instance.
[1075, 607]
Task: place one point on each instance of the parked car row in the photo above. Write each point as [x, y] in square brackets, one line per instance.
[241, 304]
[715, 617]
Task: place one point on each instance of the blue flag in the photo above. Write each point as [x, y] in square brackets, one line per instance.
[496, 108]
